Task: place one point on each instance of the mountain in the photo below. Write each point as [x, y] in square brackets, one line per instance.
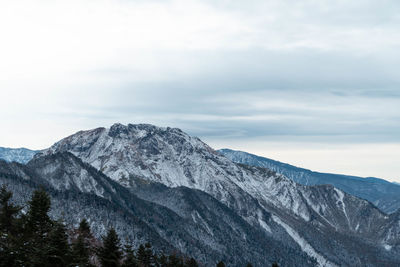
[21, 155]
[78, 191]
[324, 222]
[174, 219]
[383, 194]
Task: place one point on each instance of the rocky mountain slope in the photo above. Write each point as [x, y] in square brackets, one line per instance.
[383, 194]
[333, 227]
[181, 218]
[21, 155]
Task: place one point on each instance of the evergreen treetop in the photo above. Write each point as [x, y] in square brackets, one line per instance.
[110, 253]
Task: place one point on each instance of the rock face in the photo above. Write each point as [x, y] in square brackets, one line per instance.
[20, 155]
[383, 194]
[327, 224]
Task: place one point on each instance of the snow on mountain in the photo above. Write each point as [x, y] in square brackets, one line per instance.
[177, 219]
[21, 155]
[381, 193]
[310, 215]
[173, 158]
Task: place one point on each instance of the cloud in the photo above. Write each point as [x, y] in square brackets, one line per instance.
[283, 71]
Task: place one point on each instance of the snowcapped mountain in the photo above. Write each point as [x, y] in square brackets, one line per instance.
[327, 224]
[21, 155]
[383, 194]
[177, 219]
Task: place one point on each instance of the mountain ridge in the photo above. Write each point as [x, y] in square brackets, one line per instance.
[384, 194]
[310, 215]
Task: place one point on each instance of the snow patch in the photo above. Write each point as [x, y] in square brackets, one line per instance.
[262, 223]
[305, 246]
[141, 133]
[265, 226]
[196, 217]
[387, 247]
[340, 202]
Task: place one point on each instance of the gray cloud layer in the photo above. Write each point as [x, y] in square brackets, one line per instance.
[280, 71]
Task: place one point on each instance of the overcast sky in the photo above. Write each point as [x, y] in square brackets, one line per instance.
[312, 83]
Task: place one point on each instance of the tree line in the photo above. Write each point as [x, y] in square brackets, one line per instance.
[34, 239]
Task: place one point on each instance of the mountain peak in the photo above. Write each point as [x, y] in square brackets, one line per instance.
[161, 154]
[140, 130]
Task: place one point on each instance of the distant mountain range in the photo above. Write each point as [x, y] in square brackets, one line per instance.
[20, 155]
[164, 186]
[383, 194]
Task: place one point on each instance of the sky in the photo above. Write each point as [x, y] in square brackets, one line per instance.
[313, 83]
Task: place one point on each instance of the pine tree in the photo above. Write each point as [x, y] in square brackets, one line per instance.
[162, 260]
[38, 220]
[110, 253]
[174, 261]
[37, 229]
[84, 228]
[130, 259]
[80, 247]
[9, 229]
[149, 257]
[191, 263]
[141, 255]
[145, 255]
[221, 264]
[58, 247]
[8, 212]
[80, 252]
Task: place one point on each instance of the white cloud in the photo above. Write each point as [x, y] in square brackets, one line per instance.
[253, 69]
